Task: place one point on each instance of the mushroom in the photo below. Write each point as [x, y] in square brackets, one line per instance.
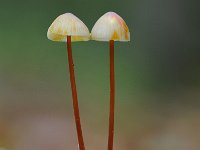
[111, 27]
[68, 28]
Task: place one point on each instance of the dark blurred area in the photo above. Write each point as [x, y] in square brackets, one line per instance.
[157, 77]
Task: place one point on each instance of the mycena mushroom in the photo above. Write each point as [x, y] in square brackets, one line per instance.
[111, 27]
[68, 28]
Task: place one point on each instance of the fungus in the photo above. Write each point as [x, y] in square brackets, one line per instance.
[68, 28]
[111, 27]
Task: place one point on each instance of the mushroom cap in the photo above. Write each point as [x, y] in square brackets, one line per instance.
[110, 26]
[68, 25]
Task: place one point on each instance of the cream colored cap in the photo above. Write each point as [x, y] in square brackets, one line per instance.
[110, 27]
[68, 25]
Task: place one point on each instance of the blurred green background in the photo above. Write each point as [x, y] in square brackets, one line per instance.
[157, 77]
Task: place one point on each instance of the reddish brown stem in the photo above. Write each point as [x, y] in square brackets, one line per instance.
[112, 97]
[74, 95]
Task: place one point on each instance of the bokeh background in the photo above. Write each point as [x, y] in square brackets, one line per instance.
[157, 77]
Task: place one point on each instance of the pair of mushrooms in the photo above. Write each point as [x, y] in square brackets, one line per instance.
[110, 27]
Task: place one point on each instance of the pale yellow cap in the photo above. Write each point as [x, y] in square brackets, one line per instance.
[110, 27]
[68, 25]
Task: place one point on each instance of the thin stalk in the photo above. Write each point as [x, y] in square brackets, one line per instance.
[74, 95]
[112, 97]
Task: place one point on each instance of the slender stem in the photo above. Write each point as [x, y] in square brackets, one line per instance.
[74, 95]
[112, 97]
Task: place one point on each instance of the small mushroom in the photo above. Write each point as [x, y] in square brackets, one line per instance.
[111, 27]
[68, 28]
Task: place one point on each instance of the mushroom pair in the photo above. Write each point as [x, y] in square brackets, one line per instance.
[110, 27]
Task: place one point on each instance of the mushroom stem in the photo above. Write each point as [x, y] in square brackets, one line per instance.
[112, 97]
[74, 95]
